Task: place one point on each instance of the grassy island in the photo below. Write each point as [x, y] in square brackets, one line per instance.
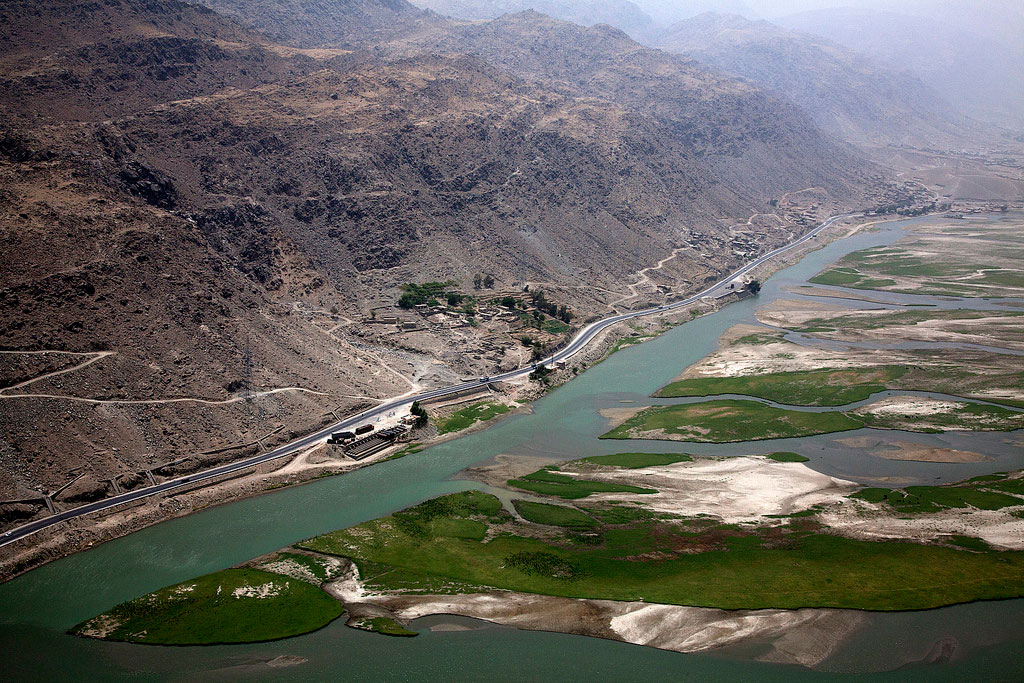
[687, 562]
[727, 421]
[231, 606]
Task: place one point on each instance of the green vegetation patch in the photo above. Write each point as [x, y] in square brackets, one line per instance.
[553, 515]
[309, 568]
[939, 273]
[554, 327]
[549, 482]
[983, 493]
[231, 606]
[969, 542]
[407, 450]
[631, 340]
[803, 387]
[428, 292]
[633, 461]
[449, 516]
[760, 338]
[384, 625]
[622, 514]
[701, 563]
[727, 421]
[478, 412]
[896, 318]
[786, 456]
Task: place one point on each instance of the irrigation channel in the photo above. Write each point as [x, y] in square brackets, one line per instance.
[37, 608]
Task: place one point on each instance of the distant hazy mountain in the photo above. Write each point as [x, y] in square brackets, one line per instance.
[845, 93]
[965, 61]
[667, 12]
[622, 14]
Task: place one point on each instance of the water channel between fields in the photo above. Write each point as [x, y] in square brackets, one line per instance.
[36, 609]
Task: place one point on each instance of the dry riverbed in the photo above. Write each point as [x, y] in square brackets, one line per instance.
[804, 637]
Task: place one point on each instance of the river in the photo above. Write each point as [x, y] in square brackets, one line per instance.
[37, 608]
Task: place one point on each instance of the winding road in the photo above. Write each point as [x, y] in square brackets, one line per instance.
[584, 337]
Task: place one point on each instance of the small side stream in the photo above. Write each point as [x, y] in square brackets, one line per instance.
[38, 608]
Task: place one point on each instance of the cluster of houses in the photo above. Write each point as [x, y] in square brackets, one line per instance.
[440, 316]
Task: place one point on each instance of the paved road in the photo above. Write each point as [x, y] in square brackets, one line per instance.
[584, 337]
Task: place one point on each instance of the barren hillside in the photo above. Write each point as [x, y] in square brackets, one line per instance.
[197, 219]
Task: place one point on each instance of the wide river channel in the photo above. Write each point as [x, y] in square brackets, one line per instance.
[37, 608]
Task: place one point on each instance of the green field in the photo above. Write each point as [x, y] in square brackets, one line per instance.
[466, 417]
[972, 373]
[800, 388]
[553, 515]
[989, 492]
[549, 482]
[938, 273]
[789, 566]
[554, 326]
[632, 461]
[231, 606]
[902, 318]
[786, 456]
[725, 421]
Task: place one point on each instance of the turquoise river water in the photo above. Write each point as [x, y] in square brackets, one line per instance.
[37, 608]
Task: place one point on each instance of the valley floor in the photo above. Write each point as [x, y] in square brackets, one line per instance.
[650, 548]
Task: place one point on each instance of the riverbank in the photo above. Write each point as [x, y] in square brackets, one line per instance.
[767, 536]
[970, 638]
[86, 532]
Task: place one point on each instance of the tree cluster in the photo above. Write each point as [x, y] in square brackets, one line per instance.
[554, 310]
[426, 293]
[482, 281]
[421, 414]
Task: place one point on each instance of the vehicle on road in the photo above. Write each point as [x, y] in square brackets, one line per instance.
[584, 337]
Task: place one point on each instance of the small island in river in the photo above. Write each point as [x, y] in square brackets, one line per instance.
[688, 552]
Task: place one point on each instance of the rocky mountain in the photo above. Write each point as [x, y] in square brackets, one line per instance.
[80, 61]
[197, 217]
[846, 94]
[326, 23]
[749, 141]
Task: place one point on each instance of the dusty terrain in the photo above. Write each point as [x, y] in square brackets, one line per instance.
[202, 256]
[804, 637]
[908, 450]
[732, 489]
[986, 328]
[998, 528]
